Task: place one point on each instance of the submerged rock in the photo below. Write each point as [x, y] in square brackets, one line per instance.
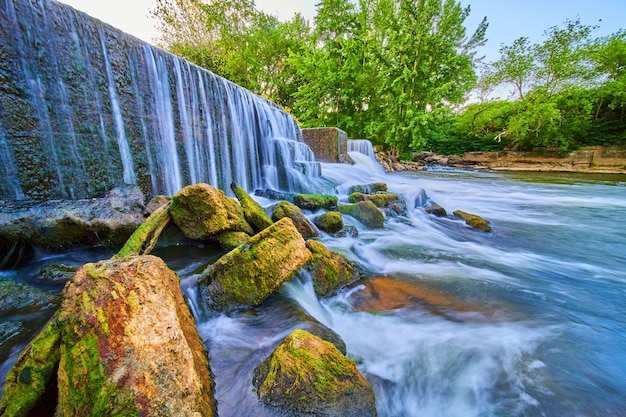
[474, 221]
[435, 209]
[330, 270]
[365, 212]
[252, 211]
[307, 376]
[330, 222]
[124, 343]
[368, 188]
[56, 273]
[252, 272]
[203, 212]
[18, 297]
[287, 209]
[315, 201]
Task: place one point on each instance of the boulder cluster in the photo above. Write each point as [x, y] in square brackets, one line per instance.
[123, 341]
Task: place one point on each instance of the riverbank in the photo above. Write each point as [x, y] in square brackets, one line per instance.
[592, 159]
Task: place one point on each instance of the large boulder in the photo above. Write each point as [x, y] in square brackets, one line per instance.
[365, 212]
[61, 223]
[307, 376]
[252, 272]
[330, 270]
[252, 211]
[287, 209]
[124, 343]
[474, 221]
[204, 212]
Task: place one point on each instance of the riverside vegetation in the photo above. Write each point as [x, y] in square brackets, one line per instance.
[400, 73]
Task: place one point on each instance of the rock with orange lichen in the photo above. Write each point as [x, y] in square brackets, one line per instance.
[124, 343]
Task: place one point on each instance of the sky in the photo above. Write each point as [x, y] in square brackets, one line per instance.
[508, 19]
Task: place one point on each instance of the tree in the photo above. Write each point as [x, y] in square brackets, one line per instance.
[428, 65]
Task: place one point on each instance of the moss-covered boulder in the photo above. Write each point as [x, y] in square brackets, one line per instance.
[330, 270]
[379, 200]
[315, 201]
[124, 343]
[474, 221]
[252, 211]
[307, 376]
[365, 212]
[330, 222]
[203, 212]
[287, 209]
[372, 188]
[252, 272]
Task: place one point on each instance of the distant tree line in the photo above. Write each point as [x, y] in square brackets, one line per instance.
[400, 72]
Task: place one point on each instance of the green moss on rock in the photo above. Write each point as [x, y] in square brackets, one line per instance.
[37, 364]
[306, 375]
[252, 211]
[315, 201]
[252, 272]
[330, 222]
[379, 200]
[203, 212]
[474, 221]
[287, 209]
[330, 270]
[365, 212]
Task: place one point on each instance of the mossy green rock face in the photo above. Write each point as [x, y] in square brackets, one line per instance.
[124, 343]
[379, 200]
[203, 212]
[315, 201]
[330, 270]
[474, 221]
[252, 272]
[287, 209]
[252, 211]
[365, 212]
[307, 376]
[375, 187]
[330, 222]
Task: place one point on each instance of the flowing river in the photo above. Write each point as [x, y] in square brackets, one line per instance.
[529, 320]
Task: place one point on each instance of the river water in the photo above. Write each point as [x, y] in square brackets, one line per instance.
[528, 320]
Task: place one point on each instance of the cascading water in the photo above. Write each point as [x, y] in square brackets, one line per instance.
[89, 107]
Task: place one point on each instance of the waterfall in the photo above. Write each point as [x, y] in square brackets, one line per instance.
[364, 147]
[88, 107]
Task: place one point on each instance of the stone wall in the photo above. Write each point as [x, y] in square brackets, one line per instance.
[329, 144]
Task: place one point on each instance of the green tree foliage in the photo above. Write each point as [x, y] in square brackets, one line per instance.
[570, 92]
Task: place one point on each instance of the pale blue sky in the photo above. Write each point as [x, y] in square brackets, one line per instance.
[508, 19]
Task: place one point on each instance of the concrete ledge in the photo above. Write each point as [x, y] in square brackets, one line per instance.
[329, 144]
